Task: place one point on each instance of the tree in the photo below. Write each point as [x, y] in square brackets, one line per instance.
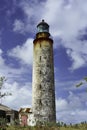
[82, 82]
[2, 81]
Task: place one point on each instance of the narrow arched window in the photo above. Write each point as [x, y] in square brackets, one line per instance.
[40, 86]
[40, 58]
[40, 71]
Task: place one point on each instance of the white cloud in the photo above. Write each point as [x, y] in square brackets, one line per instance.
[74, 101]
[15, 74]
[0, 51]
[2, 64]
[11, 73]
[61, 104]
[33, 12]
[69, 109]
[1, 58]
[64, 18]
[15, 84]
[21, 96]
[18, 26]
[78, 59]
[67, 19]
[24, 52]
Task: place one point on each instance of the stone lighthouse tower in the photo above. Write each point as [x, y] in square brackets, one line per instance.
[43, 101]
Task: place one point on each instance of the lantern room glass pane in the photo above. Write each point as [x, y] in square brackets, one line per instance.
[43, 28]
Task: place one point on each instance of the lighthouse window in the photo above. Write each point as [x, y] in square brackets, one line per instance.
[40, 86]
[40, 58]
[40, 71]
[48, 65]
[46, 102]
[40, 102]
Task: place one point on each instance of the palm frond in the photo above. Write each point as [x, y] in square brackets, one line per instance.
[78, 85]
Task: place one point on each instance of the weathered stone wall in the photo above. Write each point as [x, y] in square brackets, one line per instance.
[43, 81]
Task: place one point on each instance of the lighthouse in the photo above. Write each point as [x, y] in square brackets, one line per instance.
[43, 87]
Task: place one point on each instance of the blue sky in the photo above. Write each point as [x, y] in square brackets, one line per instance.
[68, 27]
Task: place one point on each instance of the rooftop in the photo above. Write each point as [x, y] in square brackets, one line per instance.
[5, 108]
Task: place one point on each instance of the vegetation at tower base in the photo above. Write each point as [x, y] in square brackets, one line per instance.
[56, 126]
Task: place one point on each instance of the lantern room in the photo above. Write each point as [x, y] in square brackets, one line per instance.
[43, 27]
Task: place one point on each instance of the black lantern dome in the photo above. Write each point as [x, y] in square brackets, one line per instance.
[43, 27]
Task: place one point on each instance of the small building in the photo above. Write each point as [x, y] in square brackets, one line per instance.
[26, 117]
[9, 114]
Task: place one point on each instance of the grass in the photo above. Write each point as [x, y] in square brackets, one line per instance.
[68, 127]
[48, 126]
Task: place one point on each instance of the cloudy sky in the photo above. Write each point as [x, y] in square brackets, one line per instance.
[68, 27]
